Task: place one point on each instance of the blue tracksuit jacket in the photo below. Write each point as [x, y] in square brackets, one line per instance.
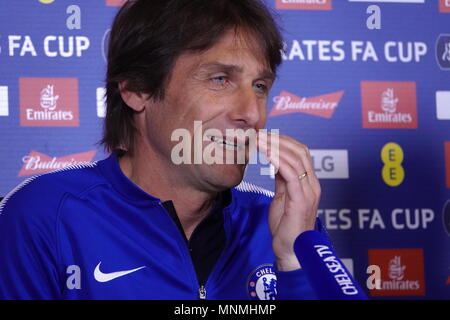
[88, 232]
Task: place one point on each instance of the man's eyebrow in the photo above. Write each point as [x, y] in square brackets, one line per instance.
[229, 68]
[267, 75]
[217, 66]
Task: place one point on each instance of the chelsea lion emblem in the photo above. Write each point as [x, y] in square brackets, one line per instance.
[262, 283]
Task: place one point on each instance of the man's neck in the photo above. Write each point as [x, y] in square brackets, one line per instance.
[158, 179]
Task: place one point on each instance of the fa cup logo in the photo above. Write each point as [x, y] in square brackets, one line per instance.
[446, 55]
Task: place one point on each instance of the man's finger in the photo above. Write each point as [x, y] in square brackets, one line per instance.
[304, 155]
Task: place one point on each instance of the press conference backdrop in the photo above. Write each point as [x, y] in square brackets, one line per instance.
[364, 84]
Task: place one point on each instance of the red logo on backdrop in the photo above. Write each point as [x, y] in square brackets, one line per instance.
[444, 6]
[321, 106]
[447, 162]
[49, 102]
[115, 3]
[304, 4]
[37, 162]
[389, 105]
[402, 272]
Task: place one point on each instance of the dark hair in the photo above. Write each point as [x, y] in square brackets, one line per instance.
[148, 35]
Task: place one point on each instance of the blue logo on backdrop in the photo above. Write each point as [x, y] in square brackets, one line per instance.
[105, 44]
[443, 51]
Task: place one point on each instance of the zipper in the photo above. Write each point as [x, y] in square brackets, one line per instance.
[202, 287]
[220, 262]
[186, 252]
[202, 292]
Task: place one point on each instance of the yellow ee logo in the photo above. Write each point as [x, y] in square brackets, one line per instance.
[392, 156]
[46, 1]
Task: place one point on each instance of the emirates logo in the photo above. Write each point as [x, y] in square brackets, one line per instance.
[49, 102]
[389, 104]
[389, 101]
[48, 99]
[402, 272]
[396, 269]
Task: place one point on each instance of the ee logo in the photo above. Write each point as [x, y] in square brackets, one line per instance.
[392, 156]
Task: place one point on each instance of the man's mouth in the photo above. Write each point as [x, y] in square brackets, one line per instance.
[229, 145]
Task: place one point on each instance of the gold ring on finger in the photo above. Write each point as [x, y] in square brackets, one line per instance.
[303, 175]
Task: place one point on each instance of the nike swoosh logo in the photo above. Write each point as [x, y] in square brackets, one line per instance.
[105, 277]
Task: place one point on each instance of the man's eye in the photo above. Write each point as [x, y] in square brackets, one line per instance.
[220, 80]
[261, 87]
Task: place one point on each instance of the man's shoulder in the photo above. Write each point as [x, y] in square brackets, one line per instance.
[252, 194]
[48, 189]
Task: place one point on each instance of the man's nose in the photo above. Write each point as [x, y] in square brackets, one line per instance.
[249, 109]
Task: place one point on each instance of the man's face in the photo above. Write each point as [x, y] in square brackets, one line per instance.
[225, 87]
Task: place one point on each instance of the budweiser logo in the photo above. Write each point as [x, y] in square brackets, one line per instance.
[321, 106]
[37, 163]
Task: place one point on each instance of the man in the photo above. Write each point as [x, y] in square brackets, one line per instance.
[140, 226]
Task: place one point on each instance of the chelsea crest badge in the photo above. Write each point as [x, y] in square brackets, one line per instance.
[262, 283]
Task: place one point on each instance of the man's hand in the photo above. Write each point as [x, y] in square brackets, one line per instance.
[294, 206]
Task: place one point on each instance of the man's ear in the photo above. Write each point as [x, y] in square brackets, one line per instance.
[135, 100]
